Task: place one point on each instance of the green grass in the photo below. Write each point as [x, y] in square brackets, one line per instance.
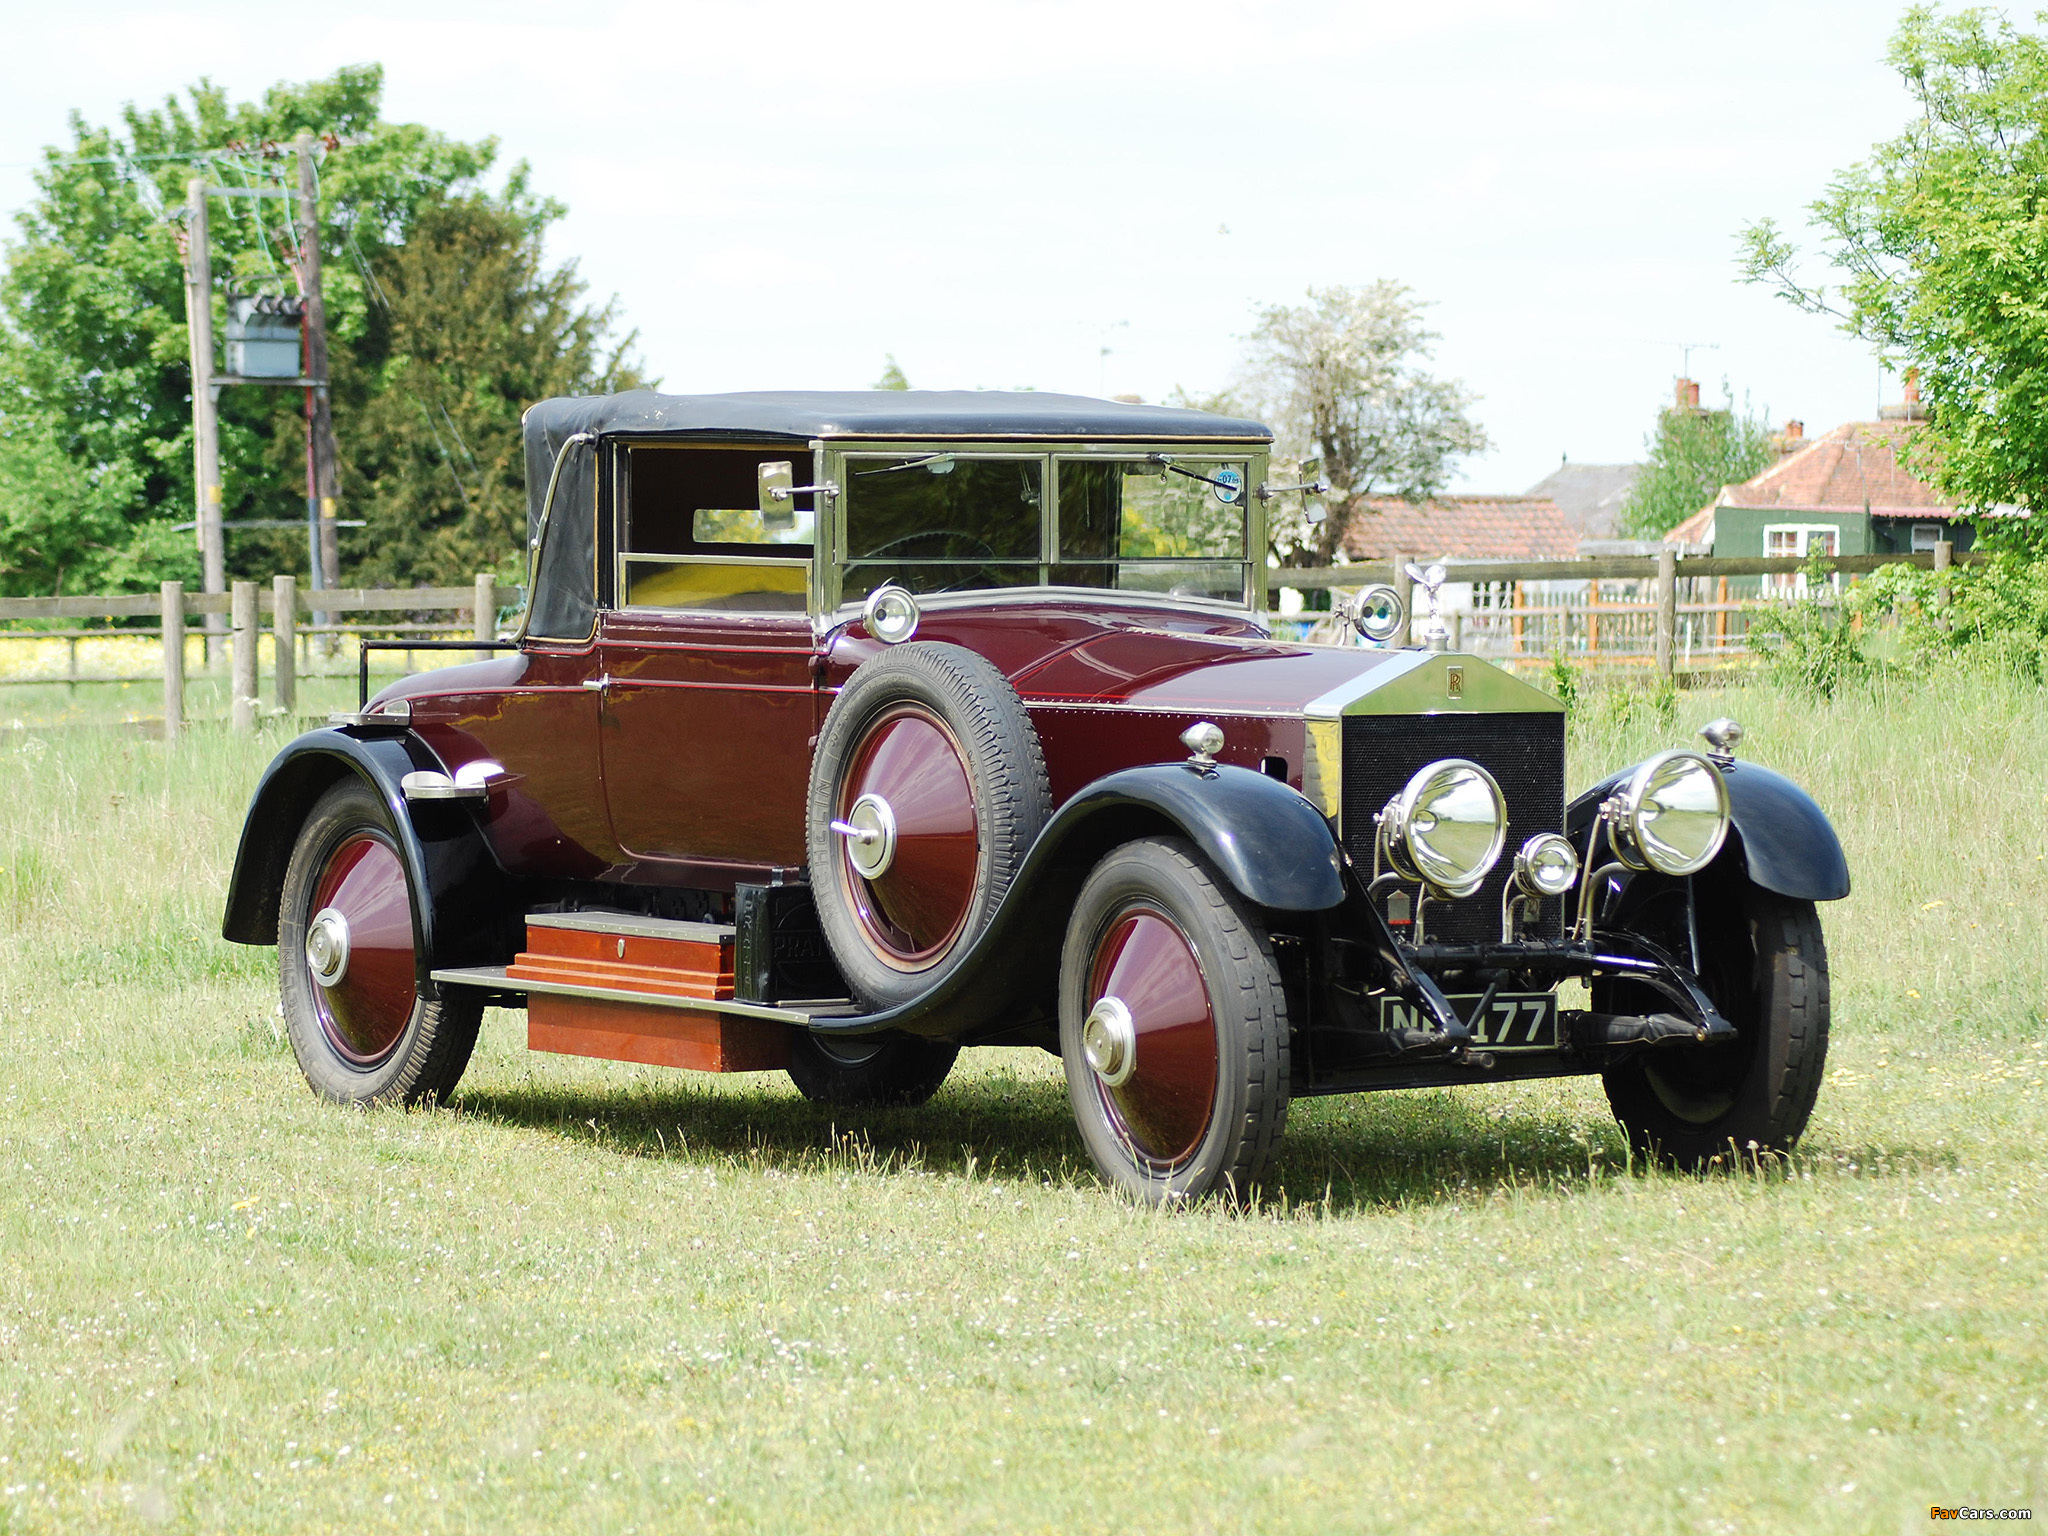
[601, 1297]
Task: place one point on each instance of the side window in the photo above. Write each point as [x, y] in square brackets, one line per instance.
[691, 534]
[565, 585]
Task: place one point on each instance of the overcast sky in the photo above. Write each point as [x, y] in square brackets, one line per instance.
[1099, 197]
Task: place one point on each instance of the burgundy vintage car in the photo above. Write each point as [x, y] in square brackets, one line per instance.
[840, 731]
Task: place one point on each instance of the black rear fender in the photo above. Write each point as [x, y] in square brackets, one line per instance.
[463, 918]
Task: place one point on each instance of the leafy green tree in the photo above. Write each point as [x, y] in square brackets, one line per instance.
[1340, 379]
[1692, 453]
[1940, 244]
[94, 360]
[892, 376]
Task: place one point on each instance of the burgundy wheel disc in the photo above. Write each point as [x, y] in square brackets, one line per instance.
[916, 907]
[1162, 1109]
[366, 1011]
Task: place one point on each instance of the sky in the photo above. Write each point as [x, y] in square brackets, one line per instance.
[1100, 196]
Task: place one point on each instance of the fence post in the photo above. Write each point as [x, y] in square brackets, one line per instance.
[173, 595]
[1944, 556]
[1667, 608]
[486, 611]
[284, 626]
[1405, 589]
[242, 654]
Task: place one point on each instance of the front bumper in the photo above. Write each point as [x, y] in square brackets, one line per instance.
[1357, 962]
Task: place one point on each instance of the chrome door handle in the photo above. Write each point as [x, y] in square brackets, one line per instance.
[597, 682]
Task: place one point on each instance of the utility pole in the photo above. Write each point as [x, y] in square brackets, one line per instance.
[205, 417]
[325, 488]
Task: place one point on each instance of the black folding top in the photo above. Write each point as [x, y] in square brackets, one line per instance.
[801, 415]
[796, 417]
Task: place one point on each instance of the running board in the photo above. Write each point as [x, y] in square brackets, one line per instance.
[494, 978]
[622, 986]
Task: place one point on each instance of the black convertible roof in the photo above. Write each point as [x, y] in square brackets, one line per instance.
[797, 417]
[801, 415]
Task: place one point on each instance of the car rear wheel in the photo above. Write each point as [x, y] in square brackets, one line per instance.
[347, 976]
[1765, 964]
[1173, 1027]
[871, 1071]
[927, 790]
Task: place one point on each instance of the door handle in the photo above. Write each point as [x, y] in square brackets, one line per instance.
[597, 682]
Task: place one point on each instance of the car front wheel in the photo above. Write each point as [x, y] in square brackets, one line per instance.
[1765, 964]
[346, 964]
[1173, 1027]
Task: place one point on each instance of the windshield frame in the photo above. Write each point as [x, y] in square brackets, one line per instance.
[839, 461]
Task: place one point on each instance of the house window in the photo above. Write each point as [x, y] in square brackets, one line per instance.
[1797, 541]
[1925, 537]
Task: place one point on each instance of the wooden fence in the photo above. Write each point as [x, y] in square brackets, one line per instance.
[1669, 613]
[1659, 611]
[297, 645]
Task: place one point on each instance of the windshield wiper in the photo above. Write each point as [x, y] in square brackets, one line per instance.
[937, 463]
[1165, 461]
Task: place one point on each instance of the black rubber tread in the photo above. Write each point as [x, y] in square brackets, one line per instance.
[1013, 795]
[903, 1070]
[434, 1051]
[1251, 1010]
[1786, 1018]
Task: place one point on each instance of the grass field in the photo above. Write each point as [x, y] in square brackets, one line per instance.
[598, 1297]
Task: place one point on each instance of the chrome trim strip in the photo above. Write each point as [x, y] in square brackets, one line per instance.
[1331, 705]
[634, 924]
[494, 976]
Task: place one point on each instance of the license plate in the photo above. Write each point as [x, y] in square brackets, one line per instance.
[1514, 1021]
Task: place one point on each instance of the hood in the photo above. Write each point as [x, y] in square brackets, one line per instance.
[1238, 675]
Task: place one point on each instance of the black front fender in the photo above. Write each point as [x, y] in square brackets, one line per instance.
[1785, 840]
[463, 892]
[1270, 844]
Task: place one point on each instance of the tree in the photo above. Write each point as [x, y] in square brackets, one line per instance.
[1339, 379]
[1940, 239]
[892, 376]
[1693, 452]
[93, 353]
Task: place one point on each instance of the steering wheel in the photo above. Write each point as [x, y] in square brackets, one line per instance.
[982, 546]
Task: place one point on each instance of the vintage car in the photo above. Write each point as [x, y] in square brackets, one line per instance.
[840, 731]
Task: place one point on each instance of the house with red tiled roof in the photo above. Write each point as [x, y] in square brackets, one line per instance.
[1846, 492]
[1462, 528]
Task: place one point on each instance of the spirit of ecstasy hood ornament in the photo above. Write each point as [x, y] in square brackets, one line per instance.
[1434, 635]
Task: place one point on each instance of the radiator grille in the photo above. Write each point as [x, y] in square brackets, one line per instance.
[1524, 753]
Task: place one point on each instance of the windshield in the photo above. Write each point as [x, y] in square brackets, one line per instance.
[1168, 523]
[1157, 524]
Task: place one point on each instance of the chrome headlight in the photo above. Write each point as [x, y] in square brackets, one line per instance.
[1672, 814]
[1446, 828]
[1546, 865]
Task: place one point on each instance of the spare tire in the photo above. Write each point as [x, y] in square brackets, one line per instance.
[927, 789]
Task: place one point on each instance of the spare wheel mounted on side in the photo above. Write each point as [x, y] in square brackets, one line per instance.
[927, 790]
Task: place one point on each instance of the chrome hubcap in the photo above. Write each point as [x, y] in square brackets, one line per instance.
[327, 946]
[870, 833]
[1109, 1039]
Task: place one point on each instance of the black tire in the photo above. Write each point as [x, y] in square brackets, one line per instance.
[866, 1073]
[1003, 798]
[1766, 968]
[1167, 1149]
[429, 1043]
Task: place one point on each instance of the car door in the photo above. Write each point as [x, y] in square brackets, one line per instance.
[710, 691]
